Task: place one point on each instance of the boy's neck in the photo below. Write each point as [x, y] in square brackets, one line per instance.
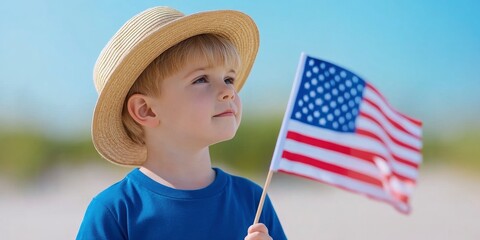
[180, 170]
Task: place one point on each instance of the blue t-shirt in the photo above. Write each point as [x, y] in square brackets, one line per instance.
[140, 208]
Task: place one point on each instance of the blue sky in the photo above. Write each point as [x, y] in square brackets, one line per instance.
[423, 55]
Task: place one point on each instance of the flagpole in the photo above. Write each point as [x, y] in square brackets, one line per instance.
[281, 135]
[262, 199]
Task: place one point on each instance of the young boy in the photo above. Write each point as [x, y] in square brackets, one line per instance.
[167, 88]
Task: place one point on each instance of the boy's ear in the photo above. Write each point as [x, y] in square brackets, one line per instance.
[140, 109]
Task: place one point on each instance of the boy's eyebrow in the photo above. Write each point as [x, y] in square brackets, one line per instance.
[203, 69]
[232, 71]
[189, 74]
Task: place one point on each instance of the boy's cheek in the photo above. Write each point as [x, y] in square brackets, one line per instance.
[239, 111]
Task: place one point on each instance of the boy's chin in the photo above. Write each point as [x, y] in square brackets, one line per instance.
[225, 138]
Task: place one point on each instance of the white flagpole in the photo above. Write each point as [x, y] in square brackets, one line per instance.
[281, 135]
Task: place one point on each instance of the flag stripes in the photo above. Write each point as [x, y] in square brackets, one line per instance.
[355, 167]
[332, 153]
[411, 125]
[340, 181]
[362, 147]
[408, 120]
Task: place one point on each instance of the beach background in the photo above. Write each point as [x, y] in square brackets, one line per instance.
[445, 206]
[423, 56]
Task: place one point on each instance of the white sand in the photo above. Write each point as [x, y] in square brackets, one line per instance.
[446, 205]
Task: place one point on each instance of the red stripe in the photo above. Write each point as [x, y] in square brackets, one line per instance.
[397, 158]
[350, 190]
[331, 168]
[360, 154]
[412, 120]
[398, 142]
[363, 155]
[401, 197]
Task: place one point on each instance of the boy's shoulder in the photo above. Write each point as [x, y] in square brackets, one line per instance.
[243, 184]
[117, 192]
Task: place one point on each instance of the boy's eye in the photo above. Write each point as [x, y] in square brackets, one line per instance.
[229, 80]
[201, 79]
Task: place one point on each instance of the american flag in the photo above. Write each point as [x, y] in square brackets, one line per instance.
[338, 129]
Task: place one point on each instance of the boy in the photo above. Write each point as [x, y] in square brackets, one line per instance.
[167, 88]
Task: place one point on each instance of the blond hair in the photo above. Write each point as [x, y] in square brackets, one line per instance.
[214, 49]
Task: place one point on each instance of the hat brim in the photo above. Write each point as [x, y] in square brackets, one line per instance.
[108, 133]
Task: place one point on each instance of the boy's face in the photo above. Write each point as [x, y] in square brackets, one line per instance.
[198, 105]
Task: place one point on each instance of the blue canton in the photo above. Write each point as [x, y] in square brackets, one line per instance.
[328, 96]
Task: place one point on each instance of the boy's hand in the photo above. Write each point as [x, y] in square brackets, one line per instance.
[258, 232]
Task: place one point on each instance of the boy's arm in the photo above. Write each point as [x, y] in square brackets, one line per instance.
[99, 223]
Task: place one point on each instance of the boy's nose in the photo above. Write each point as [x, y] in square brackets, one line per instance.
[227, 93]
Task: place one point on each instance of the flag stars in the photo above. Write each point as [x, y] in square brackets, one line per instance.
[360, 88]
[329, 96]
[300, 103]
[335, 92]
[305, 110]
[306, 85]
[353, 91]
[348, 116]
[330, 117]
[357, 100]
[325, 109]
[331, 70]
[320, 89]
[348, 83]
[336, 112]
[332, 83]
[333, 104]
[351, 103]
[306, 98]
[322, 121]
[346, 95]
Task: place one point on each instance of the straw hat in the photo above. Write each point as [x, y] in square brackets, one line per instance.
[138, 42]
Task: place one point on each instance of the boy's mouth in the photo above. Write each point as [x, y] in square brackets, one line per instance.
[227, 113]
